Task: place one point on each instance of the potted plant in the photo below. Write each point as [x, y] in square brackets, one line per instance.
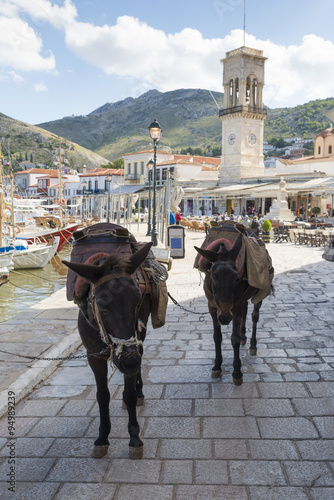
[266, 228]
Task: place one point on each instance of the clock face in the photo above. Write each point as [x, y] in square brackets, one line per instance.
[231, 139]
[252, 138]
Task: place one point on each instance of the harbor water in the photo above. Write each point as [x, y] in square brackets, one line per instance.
[27, 287]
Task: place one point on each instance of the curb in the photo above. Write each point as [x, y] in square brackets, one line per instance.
[40, 370]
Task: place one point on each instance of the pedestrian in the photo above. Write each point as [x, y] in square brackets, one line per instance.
[255, 226]
[171, 218]
[178, 217]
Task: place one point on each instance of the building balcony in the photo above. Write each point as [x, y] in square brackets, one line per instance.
[243, 109]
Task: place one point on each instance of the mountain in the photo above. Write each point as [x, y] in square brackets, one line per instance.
[187, 117]
[26, 141]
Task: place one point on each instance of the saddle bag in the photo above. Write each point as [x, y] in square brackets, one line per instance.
[101, 238]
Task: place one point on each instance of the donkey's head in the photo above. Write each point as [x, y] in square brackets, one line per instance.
[113, 303]
[222, 278]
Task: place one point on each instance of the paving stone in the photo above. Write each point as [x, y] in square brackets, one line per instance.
[287, 428]
[167, 408]
[277, 493]
[256, 472]
[119, 428]
[179, 374]
[230, 449]
[287, 390]
[309, 474]
[301, 376]
[228, 391]
[185, 448]
[312, 407]
[325, 426]
[316, 450]
[211, 472]
[268, 407]
[181, 391]
[320, 389]
[133, 471]
[62, 391]
[79, 470]
[22, 426]
[206, 492]
[322, 493]
[172, 427]
[266, 449]
[219, 407]
[86, 491]
[236, 427]
[177, 472]
[37, 408]
[29, 490]
[29, 447]
[29, 469]
[76, 409]
[60, 427]
[145, 492]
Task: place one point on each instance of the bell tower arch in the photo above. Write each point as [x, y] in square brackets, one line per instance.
[242, 115]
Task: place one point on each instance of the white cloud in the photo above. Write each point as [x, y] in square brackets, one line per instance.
[154, 59]
[20, 47]
[40, 87]
[11, 76]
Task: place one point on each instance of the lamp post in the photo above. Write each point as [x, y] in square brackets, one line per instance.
[150, 166]
[109, 179]
[84, 185]
[155, 133]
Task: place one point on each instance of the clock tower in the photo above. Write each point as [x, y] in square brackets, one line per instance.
[242, 116]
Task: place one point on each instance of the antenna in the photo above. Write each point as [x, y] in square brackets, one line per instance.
[244, 23]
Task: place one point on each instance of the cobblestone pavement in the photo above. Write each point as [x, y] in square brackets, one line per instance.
[270, 439]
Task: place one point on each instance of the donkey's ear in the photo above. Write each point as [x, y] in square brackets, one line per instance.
[88, 273]
[208, 254]
[234, 252]
[138, 258]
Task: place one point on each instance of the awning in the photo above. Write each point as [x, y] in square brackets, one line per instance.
[127, 189]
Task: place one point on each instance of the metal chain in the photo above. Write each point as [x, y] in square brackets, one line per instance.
[201, 314]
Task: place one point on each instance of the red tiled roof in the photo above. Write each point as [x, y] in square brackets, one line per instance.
[200, 159]
[326, 133]
[98, 172]
[35, 171]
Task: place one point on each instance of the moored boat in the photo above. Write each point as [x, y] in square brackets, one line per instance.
[33, 256]
[47, 235]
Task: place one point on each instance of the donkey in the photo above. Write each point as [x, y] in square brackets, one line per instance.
[228, 292]
[112, 325]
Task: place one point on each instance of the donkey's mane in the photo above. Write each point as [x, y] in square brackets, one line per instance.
[117, 263]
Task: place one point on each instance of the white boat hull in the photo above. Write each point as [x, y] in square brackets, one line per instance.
[35, 256]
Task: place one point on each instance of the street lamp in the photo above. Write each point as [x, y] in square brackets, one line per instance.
[84, 185]
[150, 166]
[109, 179]
[155, 133]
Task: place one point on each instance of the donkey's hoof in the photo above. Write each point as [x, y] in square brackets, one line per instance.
[136, 453]
[237, 381]
[216, 373]
[243, 341]
[253, 351]
[100, 451]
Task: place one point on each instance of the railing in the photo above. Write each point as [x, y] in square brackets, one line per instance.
[243, 109]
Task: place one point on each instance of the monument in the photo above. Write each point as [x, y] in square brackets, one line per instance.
[279, 209]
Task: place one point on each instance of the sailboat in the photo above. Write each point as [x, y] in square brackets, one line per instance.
[6, 253]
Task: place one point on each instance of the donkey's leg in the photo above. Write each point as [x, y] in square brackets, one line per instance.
[235, 340]
[217, 337]
[255, 319]
[139, 382]
[100, 370]
[130, 399]
[243, 338]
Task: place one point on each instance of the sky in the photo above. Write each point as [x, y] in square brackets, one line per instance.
[68, 57]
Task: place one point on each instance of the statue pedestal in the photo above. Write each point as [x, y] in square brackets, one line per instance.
[280, 209]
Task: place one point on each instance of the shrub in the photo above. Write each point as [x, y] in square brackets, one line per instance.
[266, 225]
[316, 210]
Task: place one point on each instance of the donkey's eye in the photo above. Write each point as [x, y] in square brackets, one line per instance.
[104, 299]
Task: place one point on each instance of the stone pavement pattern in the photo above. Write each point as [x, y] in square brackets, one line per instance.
[271, 438]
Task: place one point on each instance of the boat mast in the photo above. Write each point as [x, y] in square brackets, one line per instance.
[1, 198]
[11, 175]
[60, 186]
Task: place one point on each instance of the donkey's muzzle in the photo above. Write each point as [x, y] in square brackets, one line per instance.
[225, 317]
[129, 361]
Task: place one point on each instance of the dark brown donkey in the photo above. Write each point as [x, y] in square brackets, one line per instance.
[228, 290]
[112, 324]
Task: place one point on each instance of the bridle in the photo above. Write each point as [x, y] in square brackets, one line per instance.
[115, 344]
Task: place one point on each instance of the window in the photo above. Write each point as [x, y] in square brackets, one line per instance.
[231, 93]
[136, 168]
[236, 91]
[96, 184]
[329, 150]
[248, 91]
[254, 90]
[89, 185]
[129, 168]
[142, 168]
[319, 150]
